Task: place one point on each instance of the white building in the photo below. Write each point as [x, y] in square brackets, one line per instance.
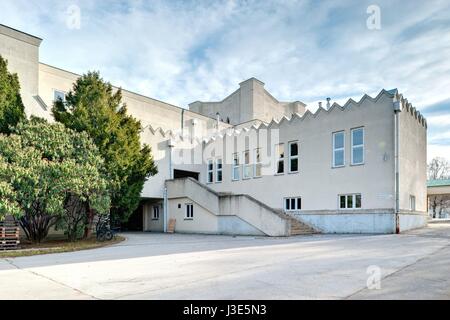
[253, 165]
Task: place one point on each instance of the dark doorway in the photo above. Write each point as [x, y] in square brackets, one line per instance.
[178, 174]
[136, 220]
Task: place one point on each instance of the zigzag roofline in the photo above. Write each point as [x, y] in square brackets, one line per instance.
[394, 94]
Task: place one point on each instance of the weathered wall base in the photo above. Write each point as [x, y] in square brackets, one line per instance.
[375, 221]
[409, 221]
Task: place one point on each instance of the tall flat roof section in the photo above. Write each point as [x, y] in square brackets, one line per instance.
[19, 35]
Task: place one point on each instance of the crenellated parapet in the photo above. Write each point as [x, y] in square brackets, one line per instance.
[314, 116]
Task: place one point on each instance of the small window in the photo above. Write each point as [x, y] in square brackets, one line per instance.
[219, 170]
[247, 166]
[358, 146]
[412, 203]
[155, 213]
[279, 152]
[258, 164]
[292, 204]
[210, 175]
[350, 201]
[189, 211]
[293, 157]
[338, 149]
[236, 167]
[59, 95]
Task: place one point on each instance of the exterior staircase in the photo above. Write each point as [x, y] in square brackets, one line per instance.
[300, 228]
[269, 221]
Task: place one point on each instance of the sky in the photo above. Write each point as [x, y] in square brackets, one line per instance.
[184, 51]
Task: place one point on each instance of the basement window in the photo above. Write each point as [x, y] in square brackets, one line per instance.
[155, 213]
[350, 201]
[189, 211]
[293, 204]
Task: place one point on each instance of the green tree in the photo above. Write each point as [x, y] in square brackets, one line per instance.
[12, 110]
[94, 107]
[51, 175]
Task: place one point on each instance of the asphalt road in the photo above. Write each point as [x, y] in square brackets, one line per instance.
[415, 265]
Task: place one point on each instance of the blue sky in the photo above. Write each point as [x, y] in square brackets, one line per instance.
[182, 51]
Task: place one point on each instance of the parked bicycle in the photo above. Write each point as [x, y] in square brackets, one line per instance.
[103, 230]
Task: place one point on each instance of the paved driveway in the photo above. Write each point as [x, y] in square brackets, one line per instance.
[160, 266]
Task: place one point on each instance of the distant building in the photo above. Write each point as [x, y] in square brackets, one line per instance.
[439, 198]
[252, 165]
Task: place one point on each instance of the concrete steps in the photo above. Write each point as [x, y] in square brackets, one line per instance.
[299, 228]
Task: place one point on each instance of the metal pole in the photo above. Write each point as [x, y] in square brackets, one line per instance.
[166, 211]
[397, 169]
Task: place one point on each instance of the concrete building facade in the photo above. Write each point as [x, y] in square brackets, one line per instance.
[251, 165]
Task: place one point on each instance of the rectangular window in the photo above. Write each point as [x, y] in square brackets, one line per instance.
[189, 211]
[412, 203]
[338, 149]
[258, 164]
[210, 176]
[59, 95]
[350, 201]
[279, 152]
[236, 167]
[293, 157]
[155, 213]
[247, 166]
[292, 204]
[219, 170]
[357, 146]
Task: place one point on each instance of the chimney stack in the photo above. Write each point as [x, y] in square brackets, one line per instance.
[328, 103]
[320, 104]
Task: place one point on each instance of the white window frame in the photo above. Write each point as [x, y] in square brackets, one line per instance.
[290, 158]
[188, 211]
[209, 172]
[236, 168]
[353, 195]
[292, 200]
[59, 91]
[247, 171]
[219, 169]
[338, 149]
[412, 202]
[359, 145]
[155, 212]
[258, 164]
[280, 158]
